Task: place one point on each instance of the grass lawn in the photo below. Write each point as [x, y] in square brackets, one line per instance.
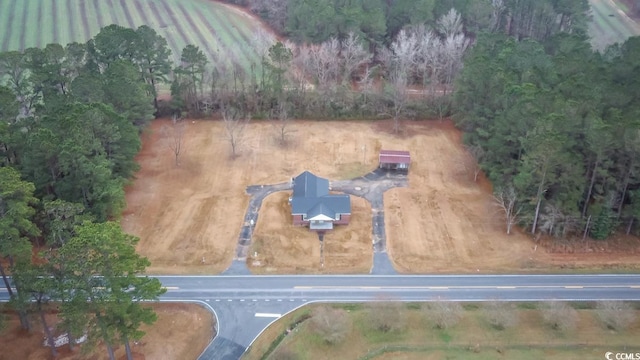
[473, 337]
[610, 24]
[223, 33]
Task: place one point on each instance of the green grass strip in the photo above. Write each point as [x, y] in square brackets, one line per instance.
[227, 37]
[11, 34]
[467, 348]
[5, 31]
[274, 345]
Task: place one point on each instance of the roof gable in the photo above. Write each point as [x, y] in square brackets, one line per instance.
[311, 197]
[310, 186]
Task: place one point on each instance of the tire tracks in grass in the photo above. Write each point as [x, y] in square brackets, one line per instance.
[23, 33]
[231, 29]
[235, 43]
[39, 21]
[599, 12]
[196, 30]
[71, 21]
[175, 22]
[112, 11]
[54, 23]
[127, 14]
[143, 14]
[85, 22]
[168, 35]
[96, 7]
[7, 35]
[26, 10]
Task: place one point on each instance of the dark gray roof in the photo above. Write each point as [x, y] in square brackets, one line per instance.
[310, 186]
[311, 197]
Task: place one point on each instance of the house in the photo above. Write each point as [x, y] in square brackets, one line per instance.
[394, 160]
[312, 205]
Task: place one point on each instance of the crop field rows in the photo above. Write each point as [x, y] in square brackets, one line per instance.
[223, 34]
[609, 24]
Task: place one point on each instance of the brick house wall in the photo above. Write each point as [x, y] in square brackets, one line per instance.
[344, 220]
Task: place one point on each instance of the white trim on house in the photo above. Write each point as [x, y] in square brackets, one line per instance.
[321, 217]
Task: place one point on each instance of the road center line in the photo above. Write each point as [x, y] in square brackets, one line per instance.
[268, 315]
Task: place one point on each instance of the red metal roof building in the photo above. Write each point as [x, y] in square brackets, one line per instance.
[394, 159]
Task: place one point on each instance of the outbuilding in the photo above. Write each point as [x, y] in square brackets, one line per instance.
[394, 160]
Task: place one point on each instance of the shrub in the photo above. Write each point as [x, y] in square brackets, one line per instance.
[444, 314]
[386, 316]
[615, 315]
[500, 315]
[331, 324]
[559, 315]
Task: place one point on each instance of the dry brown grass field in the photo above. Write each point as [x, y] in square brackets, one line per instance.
[188, 217]
[181, 332]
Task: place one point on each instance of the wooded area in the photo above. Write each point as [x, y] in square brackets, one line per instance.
[552, 123]
[557, 125]
[70, 122]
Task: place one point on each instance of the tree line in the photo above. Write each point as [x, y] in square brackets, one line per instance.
[380, 21]
[554, 125]
[70, 118]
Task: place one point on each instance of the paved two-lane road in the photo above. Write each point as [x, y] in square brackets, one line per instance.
[245, 305]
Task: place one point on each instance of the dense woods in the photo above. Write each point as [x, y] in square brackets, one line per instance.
[71, 118]
[553, 124]
[379, 21]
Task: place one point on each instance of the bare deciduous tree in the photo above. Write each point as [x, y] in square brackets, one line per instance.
[500, 314]
[453, 48]
[450, 23]
[477, 153]
[332, 325]
[235, 123]
[321, 61]
[444, 314]
[399, 63]
[560, 315]
[615, 315]
[282, 124]
[428, 57]
[397, 91]
[353, 55]
[175, 133]
[386, 316]
[506, 200]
